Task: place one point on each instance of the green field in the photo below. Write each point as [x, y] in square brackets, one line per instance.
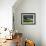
[27, 20]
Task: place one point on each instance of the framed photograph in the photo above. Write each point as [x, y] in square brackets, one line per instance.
[28, 18]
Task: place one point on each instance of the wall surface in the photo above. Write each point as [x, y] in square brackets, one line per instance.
[32, 32]
[43, 22]
[6, 13]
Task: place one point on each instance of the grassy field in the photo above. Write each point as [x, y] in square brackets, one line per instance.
[27, 20]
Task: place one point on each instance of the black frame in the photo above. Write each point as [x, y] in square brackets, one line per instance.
[28, 14]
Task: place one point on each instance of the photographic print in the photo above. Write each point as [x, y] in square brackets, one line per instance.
[28, 18]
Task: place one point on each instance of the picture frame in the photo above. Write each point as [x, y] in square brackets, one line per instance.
[28, 18]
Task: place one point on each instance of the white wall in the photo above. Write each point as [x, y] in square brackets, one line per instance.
[6, 13]
[30, 31]
[43, 22]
